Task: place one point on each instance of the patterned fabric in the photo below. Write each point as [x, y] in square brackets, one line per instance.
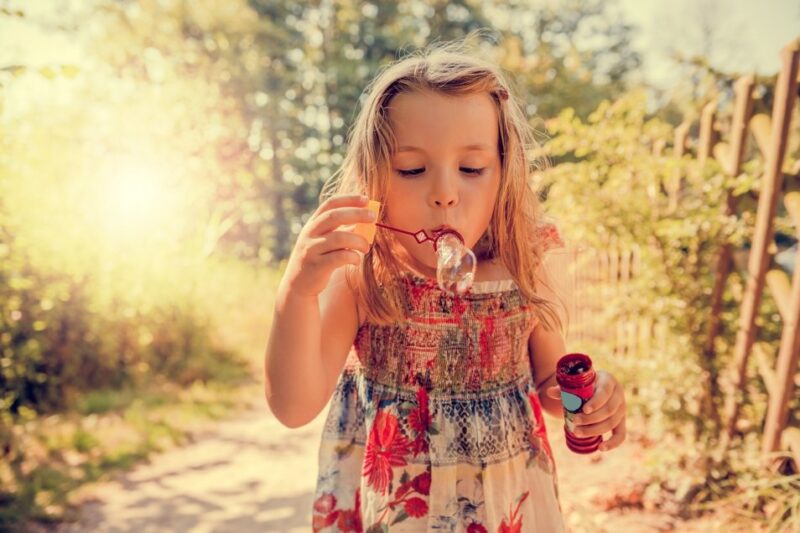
[549, 235]
[435, 424]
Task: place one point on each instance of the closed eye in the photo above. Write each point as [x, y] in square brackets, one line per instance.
[418, 171]
[412, 172]
[476, 171]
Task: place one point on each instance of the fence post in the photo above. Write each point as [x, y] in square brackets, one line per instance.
[732, 163]
[707, 133]
[674, 185]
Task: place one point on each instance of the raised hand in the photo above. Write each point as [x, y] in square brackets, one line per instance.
[325, 244]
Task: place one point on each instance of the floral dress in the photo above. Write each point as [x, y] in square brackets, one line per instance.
[435, 423]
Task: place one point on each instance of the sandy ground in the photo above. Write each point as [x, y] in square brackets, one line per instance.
[252, 474]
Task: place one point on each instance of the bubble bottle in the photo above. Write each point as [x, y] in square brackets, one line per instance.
[576, 378]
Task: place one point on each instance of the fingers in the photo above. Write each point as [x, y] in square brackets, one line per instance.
[603, 413]
[617, 437]
[339, 240]
[610, 423]
[340, 216]
[554, 392]
[604, 391]
[343, 200]
[323, 246]
[596, 415]
[333, 260]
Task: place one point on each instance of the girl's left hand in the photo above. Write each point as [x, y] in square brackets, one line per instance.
[604, 412]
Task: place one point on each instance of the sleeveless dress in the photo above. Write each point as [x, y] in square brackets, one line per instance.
[435, 424]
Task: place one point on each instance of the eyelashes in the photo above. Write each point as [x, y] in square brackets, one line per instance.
[417, 171]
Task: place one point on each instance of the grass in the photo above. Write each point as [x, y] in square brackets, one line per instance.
[53, 456]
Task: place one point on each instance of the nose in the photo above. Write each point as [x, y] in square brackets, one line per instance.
[443, 191]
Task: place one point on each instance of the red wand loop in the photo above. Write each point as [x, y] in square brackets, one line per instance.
[422, 236]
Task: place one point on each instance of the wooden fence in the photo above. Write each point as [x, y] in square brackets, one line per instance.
[587, 277]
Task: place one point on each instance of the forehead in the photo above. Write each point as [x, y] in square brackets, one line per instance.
[434, 121]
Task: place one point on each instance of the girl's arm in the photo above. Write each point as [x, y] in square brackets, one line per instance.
[308, 344]
[546, 348]
[603, 413]
[315, 318]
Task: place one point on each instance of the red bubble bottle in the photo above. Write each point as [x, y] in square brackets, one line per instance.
[576, 378]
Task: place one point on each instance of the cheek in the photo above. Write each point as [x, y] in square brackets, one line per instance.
[396, 213]
[402, 201]
[485, 196]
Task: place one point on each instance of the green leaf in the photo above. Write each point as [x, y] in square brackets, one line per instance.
[401, 515]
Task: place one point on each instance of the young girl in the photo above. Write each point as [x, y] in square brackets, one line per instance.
[435, 420]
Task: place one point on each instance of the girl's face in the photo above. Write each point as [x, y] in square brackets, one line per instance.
[446, 170]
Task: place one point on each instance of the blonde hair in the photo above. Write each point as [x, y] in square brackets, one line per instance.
[448, 69]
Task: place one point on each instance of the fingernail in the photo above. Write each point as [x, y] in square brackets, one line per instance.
[587, 410]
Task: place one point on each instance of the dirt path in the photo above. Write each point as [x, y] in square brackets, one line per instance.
[253, 474]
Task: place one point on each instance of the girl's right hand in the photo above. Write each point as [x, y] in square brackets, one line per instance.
[323, 246]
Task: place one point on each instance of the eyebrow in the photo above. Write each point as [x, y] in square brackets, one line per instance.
[467, 148]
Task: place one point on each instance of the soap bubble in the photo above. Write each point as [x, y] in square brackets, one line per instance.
[455, 268]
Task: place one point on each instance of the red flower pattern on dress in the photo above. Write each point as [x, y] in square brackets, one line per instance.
[476, 528]
[422, 483]
[416, 507]
[350, 521]
[325, 503]
[420, 421]
[539, 431]
[416, 292]
[320, 522]
[514, 523]
[486, 346]
[386, 448]
[326, 514]
[459, 308]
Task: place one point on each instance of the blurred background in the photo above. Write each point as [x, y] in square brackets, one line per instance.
[158, 158]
